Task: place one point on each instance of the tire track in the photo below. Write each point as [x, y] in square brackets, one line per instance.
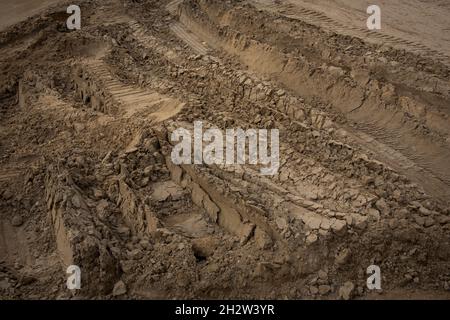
[172, 6]
[8, 174]
[182, 32]
[418, 165]
[127, 100]
[149, 42]
[295, 12]
[189, 38]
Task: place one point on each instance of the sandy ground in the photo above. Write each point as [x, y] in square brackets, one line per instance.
[15, 11]
[421, 21]
[87, 175]
[416, 20]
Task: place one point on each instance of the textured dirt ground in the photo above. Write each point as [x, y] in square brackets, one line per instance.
[16, 11]
[418, 20]
[86, 176]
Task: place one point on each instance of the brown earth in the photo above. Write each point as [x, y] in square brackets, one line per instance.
[86, 176]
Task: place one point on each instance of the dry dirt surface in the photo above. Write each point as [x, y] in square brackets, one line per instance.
[87, 179]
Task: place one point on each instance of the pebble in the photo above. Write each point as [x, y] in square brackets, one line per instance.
[325, 225]
[382, 206]
[346, 291]
[373, 214]
[311, 238]
[76, 201]
[7, 195]
[338, 227]
[343, 257]
[424, 211]
[419, 220]
[429, 222]
[313, 222]
[119, 289]
[17, 221]
[324, 289]
[323, 275]
[281, 223]
[314, 290]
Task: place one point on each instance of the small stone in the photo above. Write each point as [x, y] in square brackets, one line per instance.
[393, 223]
[419, 220]
[382, 206]
[119, 289]
[346, 291]
[76, 201]
[311, 238]
[182, 280]
[262, 239]
[360, 201]
[212, 267]
[373, 214]
[443, 219]
[429, 222]
[343, 257]
[379, 181]
[338, 227]
[336, 71]
[323, 275]
[424, 211]
[98, 194]
[7, 195]
[359, 221]
[4, 285]
[314, 290]
[326, 224]
[102, 207]
[313, 222]
[211, 208]
[127, 266]
[281, 223]
[349, 220]
[324, 289]
[311, 195]
[148, 170]
[17, 221]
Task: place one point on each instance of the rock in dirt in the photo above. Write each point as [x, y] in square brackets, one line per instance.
[17, 221]
[324, 289]
[7, 195]
[346, 291]
[119, 289]
[343, 257]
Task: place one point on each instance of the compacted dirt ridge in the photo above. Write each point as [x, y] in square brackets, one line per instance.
[86, 176]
